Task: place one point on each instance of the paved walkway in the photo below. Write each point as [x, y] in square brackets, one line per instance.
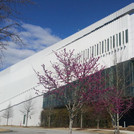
[20, 130]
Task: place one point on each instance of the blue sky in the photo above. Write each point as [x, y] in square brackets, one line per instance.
[66, 17]
[49, 21]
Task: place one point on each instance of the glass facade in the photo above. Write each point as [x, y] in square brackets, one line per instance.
[120, 76]
[50, 101]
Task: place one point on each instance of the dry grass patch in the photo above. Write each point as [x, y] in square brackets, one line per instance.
[130, 128]
[98, 131]
[3, 130]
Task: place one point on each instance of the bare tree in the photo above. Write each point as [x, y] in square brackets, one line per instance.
[8, 113]
[27, 109]
[9, 14]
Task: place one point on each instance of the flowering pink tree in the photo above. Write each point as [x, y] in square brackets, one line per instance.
[115, 100]
[72, 82]
[116, 105]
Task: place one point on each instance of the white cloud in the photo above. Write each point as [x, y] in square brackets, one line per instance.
[35, 37]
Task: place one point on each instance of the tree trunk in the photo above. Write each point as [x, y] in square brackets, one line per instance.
[49, 117]
[49, 121]
[117, 130]
[70, 124]
[81, 120]
[98, 124]
[27, 118]
[7, 121]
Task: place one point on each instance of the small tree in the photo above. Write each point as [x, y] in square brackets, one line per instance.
[116, 105]
[117, 102]
[72, 82]
[27, 109]
[8, 113]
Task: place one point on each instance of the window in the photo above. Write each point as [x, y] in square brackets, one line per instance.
[83, 55]
[122, 37]
[119, 39]
[126, 35]
[113, 41]
[102, 47]
[88, 54]
[92, 51]
[107, 44]
[97, 49]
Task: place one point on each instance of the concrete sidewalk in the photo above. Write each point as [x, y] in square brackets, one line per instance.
[123, 131]
[102, 131]
[128, 132]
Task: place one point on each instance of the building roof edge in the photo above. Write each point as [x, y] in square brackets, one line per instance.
[121, 12]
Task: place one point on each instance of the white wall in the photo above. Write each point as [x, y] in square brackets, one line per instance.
[131, 33]
[18, 116]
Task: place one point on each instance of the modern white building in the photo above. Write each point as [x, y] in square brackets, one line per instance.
[112, 36]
